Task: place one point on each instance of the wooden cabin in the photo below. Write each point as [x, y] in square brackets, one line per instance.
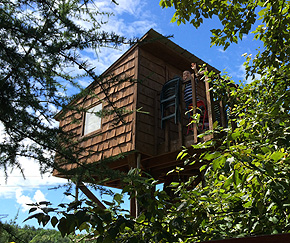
[149, 144]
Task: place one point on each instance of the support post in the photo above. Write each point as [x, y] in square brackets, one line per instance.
[209, 104]
[134, 209]
[180, 123]
[136, 202]
[90, 195]
[223, 114]
[167, 136]
[193, 87]
[156, 115]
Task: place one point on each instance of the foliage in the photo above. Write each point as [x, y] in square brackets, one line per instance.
[11, 232]
[249, 173]
[246, 164]
[114, 224]
[41, 43]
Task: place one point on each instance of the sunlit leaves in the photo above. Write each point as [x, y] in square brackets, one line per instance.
[249, 173]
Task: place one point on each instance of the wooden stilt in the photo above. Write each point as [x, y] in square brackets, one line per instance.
[193, 87]
[77, 192]
[133, 201]
[209, 104]
[223, 115]
[181, 109]
[136, 202]
[90, 195]
[133, 207]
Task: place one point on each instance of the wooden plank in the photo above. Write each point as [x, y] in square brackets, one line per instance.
[124, 67]
[146, 137]
[149, 128]
[145, 117]
[90, 195]
[180, 126]
[144, 147]
[149, 101]
[156, 121]
[150, 82]
[194, 108]
[148, 64]
[132, 163]
[209, 104]
[223, 115]
[149, 56]
[120, 130]
[149, 74]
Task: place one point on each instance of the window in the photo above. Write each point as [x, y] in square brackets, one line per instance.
[92, 122]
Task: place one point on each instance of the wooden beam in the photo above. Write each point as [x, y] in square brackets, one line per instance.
[180, 122]
[193, 90]
[133, 212]
[223, 114]
[156, 115]
[209, 103]
[132, 163]
[90, 195]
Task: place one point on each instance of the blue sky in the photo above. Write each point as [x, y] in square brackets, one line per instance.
[132, 18]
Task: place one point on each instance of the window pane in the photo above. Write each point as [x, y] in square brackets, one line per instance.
[92, 122]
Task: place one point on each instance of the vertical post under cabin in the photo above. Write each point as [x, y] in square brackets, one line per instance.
[156, 115]
[181, 106]
[223, 115]
[133, 201]
[138, 167]
[167, 123]
[208, 103]
[193, 87]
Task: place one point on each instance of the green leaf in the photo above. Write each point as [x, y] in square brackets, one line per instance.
[174, 184]
[248, 204]
[45, 219]
[109, 203]
[54, 221]
[37, 216]
[44, 203]
[228, 182]
[118, 197]
[218, 162]
[277, 156]
[32, 210]
[203, 167]
[63, 227]
[211, 156]
[236, 177]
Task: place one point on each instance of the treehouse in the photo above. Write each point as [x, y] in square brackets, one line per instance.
[146, 81]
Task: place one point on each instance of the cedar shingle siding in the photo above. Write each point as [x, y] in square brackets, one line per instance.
[151, 63]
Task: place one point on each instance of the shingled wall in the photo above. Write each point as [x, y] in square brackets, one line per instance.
[114, 136]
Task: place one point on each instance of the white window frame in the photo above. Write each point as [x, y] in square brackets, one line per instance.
[92, 122]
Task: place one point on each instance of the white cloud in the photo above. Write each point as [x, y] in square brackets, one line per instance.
[31, 170]
[220, 49]
[133, 7]
[39, 196]
[23, 200]
[240, 73]
[32, 180]
[130, 19]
